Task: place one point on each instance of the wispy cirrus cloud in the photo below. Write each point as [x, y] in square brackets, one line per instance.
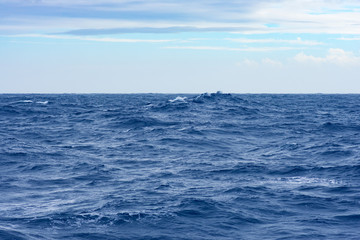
[173, 29]
[221, 48]
[93, 39]
[297, 41]
[92, 17]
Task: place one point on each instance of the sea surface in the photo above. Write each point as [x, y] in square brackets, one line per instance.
[201, 166]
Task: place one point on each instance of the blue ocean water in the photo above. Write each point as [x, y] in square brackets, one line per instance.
[156, 166]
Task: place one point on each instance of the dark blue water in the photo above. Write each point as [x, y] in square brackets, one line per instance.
[210, 166]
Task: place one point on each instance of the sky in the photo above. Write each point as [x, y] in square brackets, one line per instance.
[173, 46]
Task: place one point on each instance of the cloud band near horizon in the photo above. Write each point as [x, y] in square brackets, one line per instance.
[99, 17]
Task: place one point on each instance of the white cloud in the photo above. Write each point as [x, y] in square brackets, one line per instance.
[312, 16]
[248, 63]
[93, 39]
[271, 62]
[349, 39]
[298, 41]
[249, 49]
[65, 2]
[334, 56]
[302, 57]
[296, 16]
[264, 62]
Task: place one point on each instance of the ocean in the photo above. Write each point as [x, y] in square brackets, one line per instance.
[183, 166]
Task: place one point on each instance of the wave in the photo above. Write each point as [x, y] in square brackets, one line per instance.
[306, 181]
[25, 101]
[6, 234]
[9, 110]
[330, 126]
[216, 102]
[178, 99]
[140, 122]
[43, 102]
[179, 166]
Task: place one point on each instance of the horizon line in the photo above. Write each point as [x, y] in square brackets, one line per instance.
[185, 93]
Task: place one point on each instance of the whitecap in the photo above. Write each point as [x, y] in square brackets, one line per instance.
[178, 99]
[25, 101]
[44, 102]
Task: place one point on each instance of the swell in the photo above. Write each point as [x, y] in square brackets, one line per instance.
[181, 166]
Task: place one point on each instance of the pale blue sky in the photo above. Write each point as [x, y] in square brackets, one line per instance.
[168, 46]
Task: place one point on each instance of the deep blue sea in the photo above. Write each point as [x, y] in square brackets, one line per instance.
[157, 166]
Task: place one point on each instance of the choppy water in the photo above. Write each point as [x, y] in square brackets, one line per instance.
[210, 166]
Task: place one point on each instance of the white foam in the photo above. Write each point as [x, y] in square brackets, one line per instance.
[178, 99]
[296, 181]
[44, 102]
[26, 101]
